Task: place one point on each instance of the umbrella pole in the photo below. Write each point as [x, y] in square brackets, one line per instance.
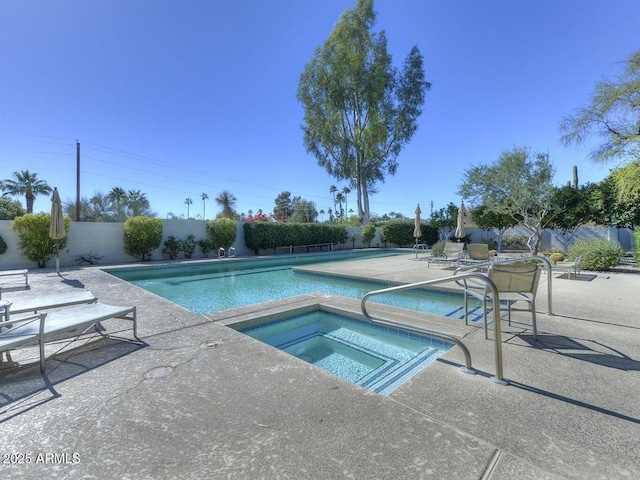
[57, 258]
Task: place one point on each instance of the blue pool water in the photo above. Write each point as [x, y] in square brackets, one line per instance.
[217, 286]
[374, 357]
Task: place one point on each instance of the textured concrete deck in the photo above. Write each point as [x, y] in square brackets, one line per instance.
[198, 400]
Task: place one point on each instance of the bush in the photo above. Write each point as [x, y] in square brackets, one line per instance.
[3, 246]
[206, 246]
[34, 241]
[171, 248]
[10, 210]
[636, 242]
[597, 255]
[368, 233]
[400, 233]
[188, 246]
[556, 257]
[222, 232]
[142, 235]
[514, 242]
[270, 235]
[437, 250]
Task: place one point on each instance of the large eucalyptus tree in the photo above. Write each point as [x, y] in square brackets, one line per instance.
[359, 110]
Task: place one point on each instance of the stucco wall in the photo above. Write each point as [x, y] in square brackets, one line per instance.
[105, 240]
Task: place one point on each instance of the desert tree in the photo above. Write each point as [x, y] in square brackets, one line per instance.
[359, 110]
[517, 184]
[613, 115]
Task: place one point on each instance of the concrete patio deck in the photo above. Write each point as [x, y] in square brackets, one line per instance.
[196, 399]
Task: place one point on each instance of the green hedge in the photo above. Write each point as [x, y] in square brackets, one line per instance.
[400, 233]
[269, 235]
[221, 232]
[33, 234]
[636, 246]
[597, 255]
[142, 235]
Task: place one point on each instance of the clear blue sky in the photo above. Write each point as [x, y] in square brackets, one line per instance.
[180, 97]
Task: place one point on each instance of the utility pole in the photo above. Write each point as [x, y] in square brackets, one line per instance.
[77, 181]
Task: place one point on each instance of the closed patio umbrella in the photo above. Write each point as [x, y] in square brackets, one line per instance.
[56, 227]
[462, 214]
[417, 233]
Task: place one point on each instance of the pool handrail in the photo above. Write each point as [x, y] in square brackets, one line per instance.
[537, 258]
[498, 377]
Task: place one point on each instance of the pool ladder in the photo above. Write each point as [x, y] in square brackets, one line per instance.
[467, 368]
[223, 253]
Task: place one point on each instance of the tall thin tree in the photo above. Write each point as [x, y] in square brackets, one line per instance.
[204, 198]
[359, 110]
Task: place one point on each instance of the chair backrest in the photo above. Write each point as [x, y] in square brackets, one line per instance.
[453, 250]
[513, 277]
[478, 251]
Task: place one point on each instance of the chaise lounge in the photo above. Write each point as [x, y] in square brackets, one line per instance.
[64, 323]
[452, 254]
[47, 302]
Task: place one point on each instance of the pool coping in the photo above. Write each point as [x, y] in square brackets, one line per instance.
[254, 412]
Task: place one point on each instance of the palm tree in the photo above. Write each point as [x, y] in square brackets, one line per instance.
[26, 184]
[188, 201]
[321, 212]
[137, 203]
[340, 199]
[346, 191]
[227, 201]
[204, 197]
[333, 189]
[118, 196]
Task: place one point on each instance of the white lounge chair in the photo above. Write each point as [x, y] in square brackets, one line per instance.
[477, 253]
[452, 254]
[14, 334]
[47, 302]
[68, 322]
[568, 267]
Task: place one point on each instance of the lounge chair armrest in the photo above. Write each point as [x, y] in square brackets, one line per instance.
[14, 323]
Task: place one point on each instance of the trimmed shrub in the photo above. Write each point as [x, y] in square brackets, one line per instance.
[400, 233]
[270, 235]
[636, 243]
[206, 246]
[221, 232]
[597, 255]
[142, 235]
[188, 246]
[171, 248]
[34, 240]
[556, 257]
[368, 233]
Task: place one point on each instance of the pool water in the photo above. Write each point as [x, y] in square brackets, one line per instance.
[374, 357]
[223, 285]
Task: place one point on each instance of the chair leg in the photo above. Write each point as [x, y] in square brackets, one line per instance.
[466, 308]
[484, 317]
[533, 315]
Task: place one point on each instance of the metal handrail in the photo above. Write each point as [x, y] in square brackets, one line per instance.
[498, 378]
[223, 253]
[515, 260]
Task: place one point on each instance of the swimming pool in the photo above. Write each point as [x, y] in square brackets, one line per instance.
[375, 357]
[216, 286]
